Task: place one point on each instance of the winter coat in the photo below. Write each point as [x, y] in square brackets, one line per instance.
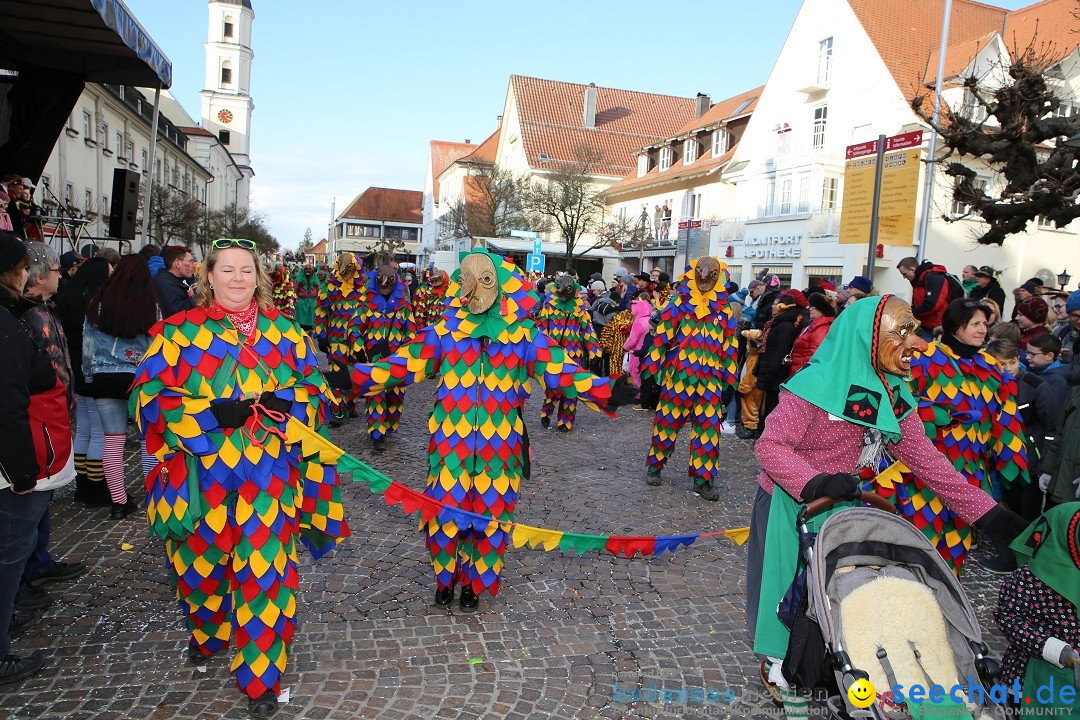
[1026, 336]
[808, 341]
[604, 308]
[1056, 375]
[1062, 457]
[109, 362]
[641, 310]
[992, 291]
[772, 367]
[172, 294]
[1069, 338]
[929, 294]
[1039, 409]
[48, 336]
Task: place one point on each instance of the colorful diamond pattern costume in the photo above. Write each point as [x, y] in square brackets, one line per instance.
[230, 503]
[385, 323]
[429, 303]
[284, 291]
[694, 361]
[968, 407]
[478, 451]
[337, 319]
[569, 324]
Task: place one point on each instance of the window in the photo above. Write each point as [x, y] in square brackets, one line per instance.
[665, 158]
[1064, 109]
[145, 161]
[770, 198]
[122, 91]
[105, 209]
[690, 151]
[119, 143]
[87, 125]
[958, 207]
[105, 136]
[226, 73]
[88, 200]
[693, 205]
[46, 181]
[785, 197]
[973, 110]
[1045, 223]
[69, 193]
[824, 62]
[227, 28]
[804, 194]
[157, 169]
[821, 115]
[829, 193]
[642, 164]
[224, 136]
[719, 142]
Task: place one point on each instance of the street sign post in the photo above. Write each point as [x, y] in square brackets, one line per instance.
[534, 262]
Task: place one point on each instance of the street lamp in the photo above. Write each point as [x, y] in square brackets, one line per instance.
[1063, 278]
[643, 236]
[206, 209]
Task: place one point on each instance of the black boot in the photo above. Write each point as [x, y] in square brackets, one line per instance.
[468, 600]
[378, 444]
[545, 422]
[652, 477]
[707, 491]
[443, 596]
[263, 706]
[122, 510]
[82, 488]
[196, 656]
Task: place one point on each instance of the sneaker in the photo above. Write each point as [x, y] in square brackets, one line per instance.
[746, 433]
[32, 598]
[60, 572]
[997, 565]
[641, 407]
[727, 428]
[771, 687]
[21, 620]
[14, 668]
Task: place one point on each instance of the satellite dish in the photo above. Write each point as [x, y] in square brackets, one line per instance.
[1048, 277]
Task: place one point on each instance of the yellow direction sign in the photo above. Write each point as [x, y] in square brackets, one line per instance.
[899, 192]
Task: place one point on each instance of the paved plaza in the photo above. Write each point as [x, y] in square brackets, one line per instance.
[567, 637]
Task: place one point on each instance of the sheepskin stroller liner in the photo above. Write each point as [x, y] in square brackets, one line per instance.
[867, 538]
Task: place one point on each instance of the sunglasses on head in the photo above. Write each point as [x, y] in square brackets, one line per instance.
[223, 243]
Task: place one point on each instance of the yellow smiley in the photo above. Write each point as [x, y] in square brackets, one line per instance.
[862, 693]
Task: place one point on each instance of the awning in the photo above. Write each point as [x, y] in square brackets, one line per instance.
[666, 251]
[517, 246]
[99, 40]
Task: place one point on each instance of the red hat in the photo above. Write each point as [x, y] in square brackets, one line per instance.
[796, 297]
[827, 285]
[1033, 308]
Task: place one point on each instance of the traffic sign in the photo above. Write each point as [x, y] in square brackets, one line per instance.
[895, 142]
[524, 233]
[534, 262]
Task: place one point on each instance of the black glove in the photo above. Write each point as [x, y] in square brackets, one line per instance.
[270, 401]
[1002, 526]
[838, 486]
[324, 346]
[231, 413]
[338, 378]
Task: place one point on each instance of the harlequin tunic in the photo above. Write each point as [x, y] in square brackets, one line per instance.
[694, 361]
[231, 502]
[968, 409]
[477, 452]
[284, 291]
[429, 303]
[569, 325]
[337, 317]
[384, 324]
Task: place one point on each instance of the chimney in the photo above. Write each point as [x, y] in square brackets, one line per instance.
[703, 104]
[498, 121]
[588, 118]
[468, 141]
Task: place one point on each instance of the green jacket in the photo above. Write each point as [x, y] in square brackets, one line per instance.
[1062, 459]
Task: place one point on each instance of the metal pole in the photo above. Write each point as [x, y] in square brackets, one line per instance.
[928, 186]
[150, 169]
[880, 163]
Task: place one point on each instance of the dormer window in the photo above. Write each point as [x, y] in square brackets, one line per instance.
[719, 142]
[690, 151]
[642, 164]
[666, 158]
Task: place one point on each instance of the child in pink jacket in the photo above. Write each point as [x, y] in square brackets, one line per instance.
[641, 310]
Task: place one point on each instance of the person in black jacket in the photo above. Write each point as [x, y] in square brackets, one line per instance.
[790, 315]
[23, 370]
[171, 284]
[988, 287]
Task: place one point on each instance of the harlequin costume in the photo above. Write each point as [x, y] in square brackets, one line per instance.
[337, 314]
[430, 298]
[483, 355]
[566, 320]
[968, 409]
[231, 502]
[284, 290]
[385, 322]
[308, 286]
[693, 359]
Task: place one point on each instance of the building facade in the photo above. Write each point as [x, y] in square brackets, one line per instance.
[376, 219]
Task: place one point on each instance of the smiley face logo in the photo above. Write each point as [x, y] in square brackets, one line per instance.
[862, 693]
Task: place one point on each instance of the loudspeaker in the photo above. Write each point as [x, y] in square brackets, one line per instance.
[125, 204]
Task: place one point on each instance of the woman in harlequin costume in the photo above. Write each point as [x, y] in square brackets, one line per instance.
[693, 361]
[484, 350]
[307, 296]
[386, 321]
[231, 493]
[566, 320]
[284, 290]
[430, 298]
[836, 417]
[337, 329]
[968, 409]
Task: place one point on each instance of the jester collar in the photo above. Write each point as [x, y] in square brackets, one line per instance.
[705, 302]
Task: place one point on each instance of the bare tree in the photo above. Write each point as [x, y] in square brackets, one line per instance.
[175, 218]
[491, 207]
[568, 199]
[234, 221]
[385, 249]
[1017, 132]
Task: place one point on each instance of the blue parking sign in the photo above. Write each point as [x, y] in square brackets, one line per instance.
[534, 263]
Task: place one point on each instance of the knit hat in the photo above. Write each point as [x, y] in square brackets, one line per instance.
[822, 304]
[70, 259]
[826, 284]
[597, 286]
[1031, 286]
[12, 251]
[731, 288]
[622, 275]
[797, 298]
[1034, 309]
[862, 284]
[1074, 302]
[773, 281]
[754, 284]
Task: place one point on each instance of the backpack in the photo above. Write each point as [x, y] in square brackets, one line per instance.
[956, 289]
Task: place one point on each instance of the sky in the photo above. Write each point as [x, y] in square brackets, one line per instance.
[348, 93]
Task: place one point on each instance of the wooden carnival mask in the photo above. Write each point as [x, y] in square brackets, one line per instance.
[708, 273]
[897, 338]
[386, 279]
[479, 283]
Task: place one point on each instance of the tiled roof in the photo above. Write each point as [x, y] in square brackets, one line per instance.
[443, 153]
[906, 34]
[485, 152]
[957, 57]
[319, 248]
[387, 205]
[678, 171]
[725, 110]
[550, 113]
[196, 130]
[1051, 24]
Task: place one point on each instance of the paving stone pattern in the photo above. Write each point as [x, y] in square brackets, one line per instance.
[563, 639]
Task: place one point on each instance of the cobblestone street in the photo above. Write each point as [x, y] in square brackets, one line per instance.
[564, 638]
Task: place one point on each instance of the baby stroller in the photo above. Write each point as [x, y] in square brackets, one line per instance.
[890, 611]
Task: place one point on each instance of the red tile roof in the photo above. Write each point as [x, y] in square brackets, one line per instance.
[485, 152]
[1048, 26]
[957, 58]
[443, 153]
[319, 248]
[386, 205]
[550, 113]
[196, 130]
[724, 110]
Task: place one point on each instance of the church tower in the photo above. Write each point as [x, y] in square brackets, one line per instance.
[226, 99]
